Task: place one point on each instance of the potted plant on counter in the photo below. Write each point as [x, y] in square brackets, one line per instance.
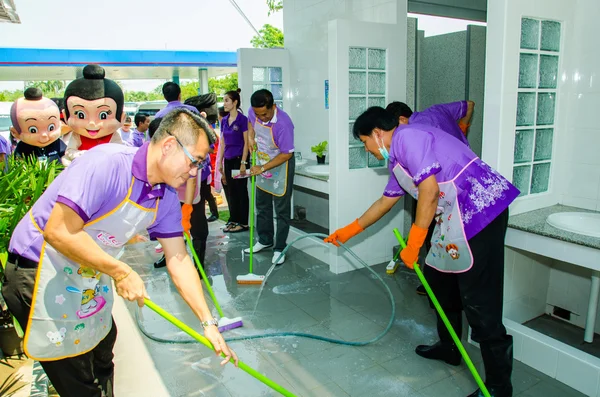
[320, 151]
[20, 187]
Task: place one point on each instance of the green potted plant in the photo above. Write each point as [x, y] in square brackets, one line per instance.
[20, 187]
[320, 150]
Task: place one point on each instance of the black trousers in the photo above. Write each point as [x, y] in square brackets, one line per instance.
[206, 192]
[479, 292]
[264, 216]
[199, 230]
[236, 192]
[88, 375]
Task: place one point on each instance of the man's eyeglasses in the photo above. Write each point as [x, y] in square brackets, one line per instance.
[194, 161]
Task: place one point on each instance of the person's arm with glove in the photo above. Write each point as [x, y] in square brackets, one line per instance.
[372, 215]
[429, 192]
[465, 122]
[186, 208]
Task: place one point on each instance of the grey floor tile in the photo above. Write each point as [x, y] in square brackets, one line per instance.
[303, 375]
[374, 382]
[449, 387]
[329, 390]
[418, 372]
[387, 348]
[340, 361]
[328, 309]
[293, 320]
[546, 389]
[353, 327]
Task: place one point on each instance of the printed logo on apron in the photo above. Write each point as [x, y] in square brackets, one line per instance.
[268, 150]
[72, 304]
[450, 251]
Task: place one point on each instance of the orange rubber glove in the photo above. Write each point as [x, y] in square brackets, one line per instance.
[416, 238]
[186, 217]
[344, 234]
[464, 127]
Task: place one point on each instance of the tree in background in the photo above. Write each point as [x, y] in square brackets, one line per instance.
[223, 84]
[50, 88]
[274, 6]
[270, 37]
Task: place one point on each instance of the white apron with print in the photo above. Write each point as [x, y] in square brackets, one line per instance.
[268, 150]
[450, 251]
[72, 304]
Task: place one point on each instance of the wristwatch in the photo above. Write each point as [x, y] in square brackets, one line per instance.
[214, 322]
[262, 169]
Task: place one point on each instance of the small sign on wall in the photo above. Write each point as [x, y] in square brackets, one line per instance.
[326, 94]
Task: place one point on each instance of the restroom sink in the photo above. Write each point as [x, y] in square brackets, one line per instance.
[585, 223]
[317, 170]
[301, 162]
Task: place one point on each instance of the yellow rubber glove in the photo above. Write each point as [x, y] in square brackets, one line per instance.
[344, 234]
[186, 217]
[416, 238]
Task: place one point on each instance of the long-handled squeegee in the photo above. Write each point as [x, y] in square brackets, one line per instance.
[251, 278]
[224, 322]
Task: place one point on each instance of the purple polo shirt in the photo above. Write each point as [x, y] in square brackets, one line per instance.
[424, 151]
[6, 149]
[233, 135]
[444, 116]
[172, 105]
[283, 129]
[138, 138]
[93, 185]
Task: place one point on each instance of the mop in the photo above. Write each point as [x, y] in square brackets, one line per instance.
[188, 330]
[251, 278]
[393, 265]
[440, 311]
[225, 323]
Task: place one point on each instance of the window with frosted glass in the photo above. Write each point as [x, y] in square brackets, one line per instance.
[536, 104]
[269, 78]
[367, 81]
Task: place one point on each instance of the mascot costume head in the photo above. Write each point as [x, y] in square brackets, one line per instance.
[36, 125]
[93, 110]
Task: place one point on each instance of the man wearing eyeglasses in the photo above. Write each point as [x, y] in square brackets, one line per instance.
[63, 253]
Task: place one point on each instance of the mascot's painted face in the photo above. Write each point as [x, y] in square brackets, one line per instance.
[93, 118]
[36, 122]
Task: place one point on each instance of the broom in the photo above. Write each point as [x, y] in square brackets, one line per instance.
[225, 323]
[440, 311]
[251, 278]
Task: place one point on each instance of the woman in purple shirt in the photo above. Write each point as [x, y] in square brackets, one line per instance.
[469, 202]
[234, 140]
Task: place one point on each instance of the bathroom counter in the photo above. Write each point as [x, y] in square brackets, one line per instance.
[535, 222]
[300, 170]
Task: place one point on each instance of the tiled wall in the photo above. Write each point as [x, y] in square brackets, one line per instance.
[526, 283]
[580, 181]
[305, 26]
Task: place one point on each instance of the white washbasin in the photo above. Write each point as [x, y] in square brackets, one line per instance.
[317, 170]
[300, 162]
[585, 223]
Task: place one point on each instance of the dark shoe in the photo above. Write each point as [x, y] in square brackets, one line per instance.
[212, 218]
[494, 392]
[438, 351]
[162, 262]
[421, 290]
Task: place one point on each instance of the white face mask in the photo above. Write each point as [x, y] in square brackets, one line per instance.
[382, 149]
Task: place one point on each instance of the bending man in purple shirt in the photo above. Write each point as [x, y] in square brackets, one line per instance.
[63, 253]
[469, 202]
[172, 94]
[453, 118]
[271, 135]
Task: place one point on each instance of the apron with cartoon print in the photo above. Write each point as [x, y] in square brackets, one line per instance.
[268, 150]
[450, 251]
[72, 304]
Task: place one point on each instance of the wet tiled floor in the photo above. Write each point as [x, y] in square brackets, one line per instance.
[303, 296]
